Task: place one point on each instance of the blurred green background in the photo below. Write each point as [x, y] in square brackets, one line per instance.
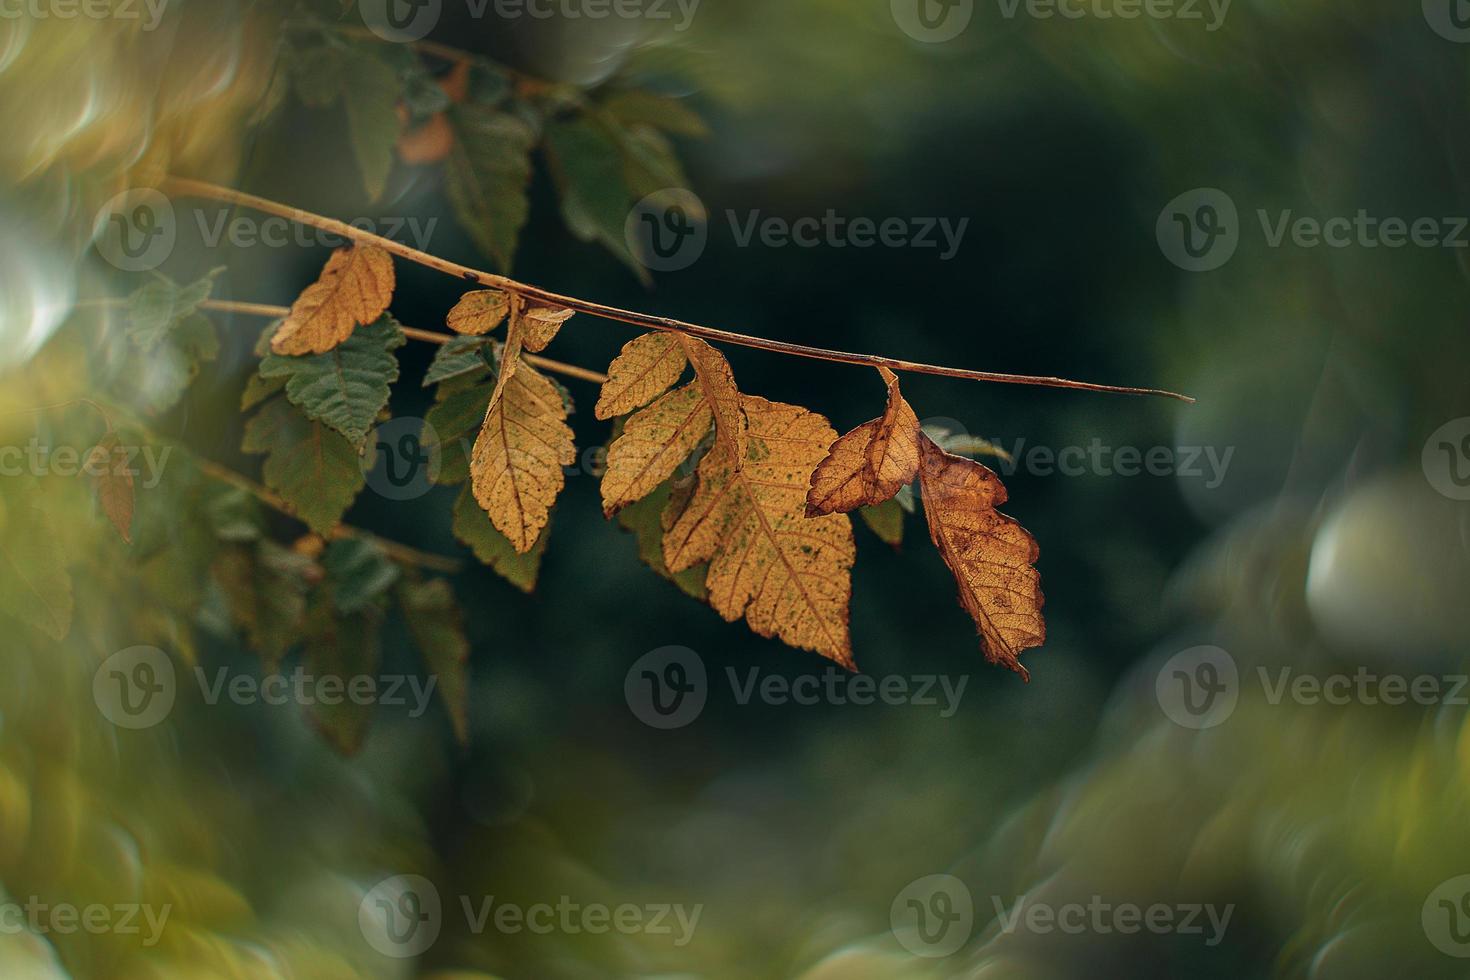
[1327, 546]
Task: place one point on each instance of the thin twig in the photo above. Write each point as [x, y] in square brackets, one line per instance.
[430, 336]
[400, 552]
[194, 188]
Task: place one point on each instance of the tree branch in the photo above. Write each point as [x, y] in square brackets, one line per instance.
[194, 188]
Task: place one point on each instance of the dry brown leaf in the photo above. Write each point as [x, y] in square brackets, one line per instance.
[646, 367]
[991, 556]
[652, 445]
[427, 143]
[479, 312]
[354, 289]
[541, 325]
[113, 483]
[872, 462]
[717, 382]
[516, 466]
[787, 574]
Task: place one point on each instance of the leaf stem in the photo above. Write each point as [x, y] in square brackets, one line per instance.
[183, 187]
[430, 336]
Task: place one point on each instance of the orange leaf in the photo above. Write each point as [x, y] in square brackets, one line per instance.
[653, 444]
[872, 462]
[991, 556]
[428, 143]
[354, 289]
[516, 465]
[645, 369]
[479, 312]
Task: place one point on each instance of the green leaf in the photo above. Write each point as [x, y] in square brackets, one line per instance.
[359, 571]
[461, 356]
[472, 526]
[371, 92]
[162, 305]
[589, 168]
[454, 423]
[886, 520]
[313, 468]
[347, 386]
[487, 175]
[635, 107]
[318, 73]
[645, 520]
[343, 647]
[234, 515]
[35, 587]
[264, 586]
[437, 626]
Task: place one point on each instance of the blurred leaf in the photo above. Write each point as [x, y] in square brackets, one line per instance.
[359, 572]
[437, 624]
[314, 469]
[161, 305]
[633, 107]
[264, 587]
[488, 172]
[595, 200]
[372, 90]
[886, 521]
[35, 587]
[342, 647]
[113, 484]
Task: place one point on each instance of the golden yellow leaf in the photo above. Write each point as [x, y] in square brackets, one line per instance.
[652, 445]
[479, 312]
[516, 465]
[717, 382]
[789, 575]
[872, 462]
[354, 289]
[541, 325]
[991, 556]
[646, 367]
